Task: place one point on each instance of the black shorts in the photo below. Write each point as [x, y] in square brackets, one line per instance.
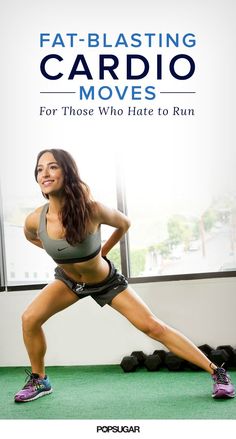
[103, 292]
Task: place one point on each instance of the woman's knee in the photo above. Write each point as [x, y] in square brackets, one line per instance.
[30, 321]
[155, 329]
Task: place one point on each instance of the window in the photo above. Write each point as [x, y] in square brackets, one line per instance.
[181, 198]
[182, 209]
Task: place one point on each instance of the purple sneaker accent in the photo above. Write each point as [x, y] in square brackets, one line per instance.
[222, 387]
[34, 388]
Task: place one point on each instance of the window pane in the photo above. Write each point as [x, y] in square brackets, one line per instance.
[181, 199]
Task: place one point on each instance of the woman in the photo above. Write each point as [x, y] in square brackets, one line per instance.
[68, 228]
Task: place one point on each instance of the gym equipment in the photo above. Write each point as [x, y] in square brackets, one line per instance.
[174, 363]
[231, 362]
[219, 357]
[130, 362]
[141, 357]
[153, 362]
[223, 354]
[162, 355]
[234, 358]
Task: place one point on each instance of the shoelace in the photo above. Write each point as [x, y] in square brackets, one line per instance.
[31, 379]
[221, 376]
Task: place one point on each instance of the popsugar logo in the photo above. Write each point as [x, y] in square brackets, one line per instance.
[118, 429]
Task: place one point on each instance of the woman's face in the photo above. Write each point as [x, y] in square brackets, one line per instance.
[49, 174]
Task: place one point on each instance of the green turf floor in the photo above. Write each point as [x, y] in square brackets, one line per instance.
[106, 392]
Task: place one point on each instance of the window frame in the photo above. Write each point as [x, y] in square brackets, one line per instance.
[124, 255]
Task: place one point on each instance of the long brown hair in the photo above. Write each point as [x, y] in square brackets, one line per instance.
[77, 208]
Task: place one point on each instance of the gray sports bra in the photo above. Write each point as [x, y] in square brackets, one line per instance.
[64, 253]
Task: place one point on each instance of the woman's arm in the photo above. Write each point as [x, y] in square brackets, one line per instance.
[31, 229]
[113, 218]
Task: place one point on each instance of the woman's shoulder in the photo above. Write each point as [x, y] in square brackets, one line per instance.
[96, 209]
[33, 218]
[101, 212]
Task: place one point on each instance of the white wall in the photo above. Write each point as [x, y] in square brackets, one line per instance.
[204, 310]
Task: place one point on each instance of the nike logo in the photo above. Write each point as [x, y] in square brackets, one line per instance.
[60, 249]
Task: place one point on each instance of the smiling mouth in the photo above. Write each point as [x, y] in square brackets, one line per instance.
[47, 183]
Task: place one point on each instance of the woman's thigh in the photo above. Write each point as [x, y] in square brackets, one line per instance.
[53, 298]
[131, 306]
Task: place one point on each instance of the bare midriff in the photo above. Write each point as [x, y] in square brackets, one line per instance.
[93, 271]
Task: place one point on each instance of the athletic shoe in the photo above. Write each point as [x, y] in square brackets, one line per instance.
[34, 388]
[222, 387]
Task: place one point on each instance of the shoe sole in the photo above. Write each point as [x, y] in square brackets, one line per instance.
[46, 392]
[223, 396]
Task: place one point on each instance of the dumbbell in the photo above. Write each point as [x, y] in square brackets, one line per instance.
[130, 362]
[174, 363]
[234, 358]
[231, 362]
[155, 361]
[222, 355]
[162, 355]
[141, 357]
